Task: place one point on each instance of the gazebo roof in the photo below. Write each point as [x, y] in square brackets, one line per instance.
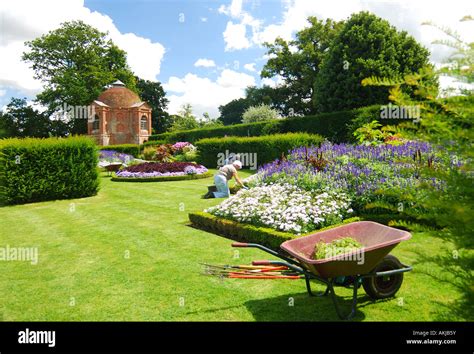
[119, 96]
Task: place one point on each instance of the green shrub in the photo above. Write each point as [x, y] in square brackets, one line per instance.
[148, 153]
[364, 116]
[245, 232]
[259, 113]
[130, 149]
[267, 148]
[33, 170]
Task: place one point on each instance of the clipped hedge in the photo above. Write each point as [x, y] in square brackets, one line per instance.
[335, 126]
[249, 129]
[267, 148]
[161, 179]
[248, 233]
[33, 170]
[153, 143]
[130, 149]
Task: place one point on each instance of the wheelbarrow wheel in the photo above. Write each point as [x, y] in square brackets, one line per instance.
[384, 287]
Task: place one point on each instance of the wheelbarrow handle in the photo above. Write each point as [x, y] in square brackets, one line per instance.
[260, 263]
[265, 249]
[239, 244]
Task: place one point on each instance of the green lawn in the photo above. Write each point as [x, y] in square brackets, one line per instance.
[127, 254]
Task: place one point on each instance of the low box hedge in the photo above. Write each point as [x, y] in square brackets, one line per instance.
[161, 179]
[267, 148]
[33, 170]
[130, 149]
[241, 232]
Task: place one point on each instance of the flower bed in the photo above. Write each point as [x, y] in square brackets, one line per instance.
[367, 173]
[285, 207]
[319, 186]
[155, 171]
[107, 157]
[181, 151]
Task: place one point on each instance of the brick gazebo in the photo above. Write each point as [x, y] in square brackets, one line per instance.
[120, 117]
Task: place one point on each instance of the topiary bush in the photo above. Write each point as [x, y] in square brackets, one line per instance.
[33, 170]
[266, 148]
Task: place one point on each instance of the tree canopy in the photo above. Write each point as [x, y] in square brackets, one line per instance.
[152, 92]
[22, 120]
[298, 63]
[365, 46]
[75, 62]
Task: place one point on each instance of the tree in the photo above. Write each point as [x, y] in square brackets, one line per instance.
[259, 114]
[366, 46]
[153, 93]
[75, 62]
[22, 120]
[185, 119]
[275, 97]
[460, 64]
[298, 63]
[231, 113]
[209, 122]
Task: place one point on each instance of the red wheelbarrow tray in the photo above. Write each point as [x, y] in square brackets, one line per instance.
[377, 240]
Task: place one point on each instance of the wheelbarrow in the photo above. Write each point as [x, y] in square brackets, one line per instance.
[380, 274]
[112, 167]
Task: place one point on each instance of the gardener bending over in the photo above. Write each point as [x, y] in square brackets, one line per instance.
[222, 177]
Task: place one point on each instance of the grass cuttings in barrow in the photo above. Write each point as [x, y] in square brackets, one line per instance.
[339, 246]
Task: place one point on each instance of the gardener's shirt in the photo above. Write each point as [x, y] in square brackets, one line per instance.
[227, 171]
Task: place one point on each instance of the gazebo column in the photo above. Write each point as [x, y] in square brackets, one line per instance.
[149, 123]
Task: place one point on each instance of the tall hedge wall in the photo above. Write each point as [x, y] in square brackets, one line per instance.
[33, 170]
[335, 126]
[266, 148]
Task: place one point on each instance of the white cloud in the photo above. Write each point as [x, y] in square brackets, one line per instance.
[206, 63]
[235, 37]
[233, 10]
[203, 19]
[206, 95]
[403, 14]
[231, 78]
[250, 67]
[2, 92]
[24, 20]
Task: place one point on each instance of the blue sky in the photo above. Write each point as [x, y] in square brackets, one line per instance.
[188, 30]
[204, 52]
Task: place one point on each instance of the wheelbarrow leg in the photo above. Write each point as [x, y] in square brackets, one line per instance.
[310, 292]
[336, 305]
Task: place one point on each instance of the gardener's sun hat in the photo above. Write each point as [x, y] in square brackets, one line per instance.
[237, 163]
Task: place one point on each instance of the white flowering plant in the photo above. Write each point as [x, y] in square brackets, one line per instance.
[285, 207]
